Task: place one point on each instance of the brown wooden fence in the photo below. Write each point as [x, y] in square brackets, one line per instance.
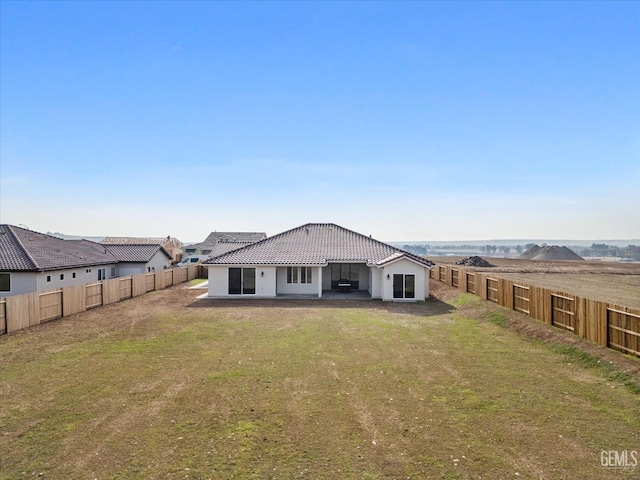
[3, 317]
[607, 324]
[22, 311]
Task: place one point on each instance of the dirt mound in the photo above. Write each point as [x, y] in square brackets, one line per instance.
[550, 252]
[474, 262]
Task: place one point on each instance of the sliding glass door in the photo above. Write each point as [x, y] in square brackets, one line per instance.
[242, 281]
[404, 286]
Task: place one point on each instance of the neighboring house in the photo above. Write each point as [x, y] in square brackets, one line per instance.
[316, 258]
[208, 247]
[172, 245]
[32, 261]
[135, 259]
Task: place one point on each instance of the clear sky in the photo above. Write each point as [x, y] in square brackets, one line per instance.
[406, 121]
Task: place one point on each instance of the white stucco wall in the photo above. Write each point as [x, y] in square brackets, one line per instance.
[126, 269]
[284, 288]
[20, 282]
[82, 277]
[376, 283]
[159, 261]
[405, 267]
[274, 281]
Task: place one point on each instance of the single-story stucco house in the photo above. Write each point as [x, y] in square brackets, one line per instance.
[172, 245]
[316, 258]
[34, 262]
[135, 259]
[214, 239]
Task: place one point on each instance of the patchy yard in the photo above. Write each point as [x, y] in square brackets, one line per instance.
[165, 386]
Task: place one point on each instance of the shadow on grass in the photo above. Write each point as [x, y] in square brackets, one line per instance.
[431, 307]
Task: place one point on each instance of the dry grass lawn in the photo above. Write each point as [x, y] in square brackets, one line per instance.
[166, 386]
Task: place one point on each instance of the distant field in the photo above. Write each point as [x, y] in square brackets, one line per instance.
[165, 386]
[617, 283]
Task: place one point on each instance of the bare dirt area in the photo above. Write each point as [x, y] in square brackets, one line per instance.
[613, 282]
[169, 386]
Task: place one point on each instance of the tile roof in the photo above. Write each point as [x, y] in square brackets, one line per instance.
[26, 250]
[166, 242]
[249, 237]
[314, 244]
[225, 247]
[135, 253]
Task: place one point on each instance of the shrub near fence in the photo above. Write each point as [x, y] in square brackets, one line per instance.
[606, 324]
[22, 311]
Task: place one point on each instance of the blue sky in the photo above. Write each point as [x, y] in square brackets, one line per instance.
[407, 121]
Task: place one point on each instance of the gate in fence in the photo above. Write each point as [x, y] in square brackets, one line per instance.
[454, 277]
[150, 282]
[50, 305]
[563, 312]
[471, 282]
[521, 302]
[623, 331]
[125, 288]
[94, 295]
[492, 289]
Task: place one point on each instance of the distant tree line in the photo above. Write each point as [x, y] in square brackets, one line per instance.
[603, 250]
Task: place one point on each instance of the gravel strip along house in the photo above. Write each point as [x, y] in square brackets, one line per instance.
[316, 259]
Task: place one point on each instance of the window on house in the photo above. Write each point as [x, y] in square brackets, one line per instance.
[305, 275]
[299, 275]
[404, 286]
[88, 270]
[292, 274]
[48, 278]
[113, 272]
[73, 275]
[5, 282]
[102, 274]
[62, 276]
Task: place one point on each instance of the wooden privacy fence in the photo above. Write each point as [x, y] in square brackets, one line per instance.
[22, 311]
[607, 324]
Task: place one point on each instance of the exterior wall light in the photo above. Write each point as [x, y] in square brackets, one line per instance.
[388, 276]
[262, 274]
